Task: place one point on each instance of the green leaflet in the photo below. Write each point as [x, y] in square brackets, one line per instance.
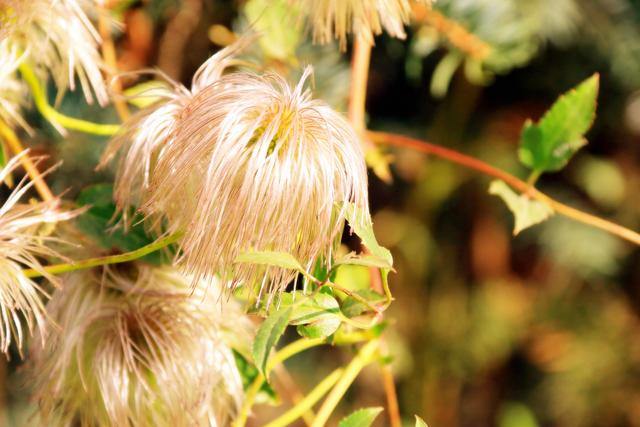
[527, 212]
[548, 145]
[361, 418]
[268, 336]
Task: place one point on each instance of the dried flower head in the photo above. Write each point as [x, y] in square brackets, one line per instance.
[334, 19]
[56, 36]
[243, 163]
[20, 246]
[152, 129]
[137, 347]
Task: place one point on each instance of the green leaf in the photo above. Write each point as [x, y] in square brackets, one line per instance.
[275, 259]
[420, 422]
[268, 336]
[248, 373]
[363, 228]
[361, 418]
[363, 260]
[100, 222]
[548, 145]
[316, 317]
[351, 307]
[527, 212]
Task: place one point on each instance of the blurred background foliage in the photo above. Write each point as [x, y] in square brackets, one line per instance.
[487, 330]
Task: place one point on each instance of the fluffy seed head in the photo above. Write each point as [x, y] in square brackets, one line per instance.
[146, 134]
[56, 36]
[137, 348]
[245, 163]
[20, 246]
[334, 19]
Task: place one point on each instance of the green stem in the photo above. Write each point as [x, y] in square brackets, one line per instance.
[51, 114]
[114, 259]
[307, 403]
[291, 350]
[363, 358]
[282, 355]
[533, 178]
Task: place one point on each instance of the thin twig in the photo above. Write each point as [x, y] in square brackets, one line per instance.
[362, 359]
[309, 400]
[55, 117]
[113, 259]
[359, 79]
[357, 112]
[518, 184]
[14, 144]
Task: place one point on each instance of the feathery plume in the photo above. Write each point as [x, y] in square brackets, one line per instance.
[242, 163]
[137, 347]
[334, 19]
[13, 91]
[20, 246]
[56, 36]
[147, 133]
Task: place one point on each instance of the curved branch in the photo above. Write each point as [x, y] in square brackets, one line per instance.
[518, 184]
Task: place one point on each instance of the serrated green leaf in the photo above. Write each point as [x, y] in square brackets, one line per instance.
[275, 259]
[268, 336]
[364, 229]
[316, 317]
[527, 212]
[100, 222]
[361, 418]
[420, 422]
[548, 145]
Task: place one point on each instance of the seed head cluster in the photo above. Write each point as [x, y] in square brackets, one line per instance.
[22, 242]
[335, 19]
[243, 162]
[55, 37]
[137, 346]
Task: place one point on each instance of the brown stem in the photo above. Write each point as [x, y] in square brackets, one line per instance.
[14, 144]
[392, 396]
[111, 61]
[518, 184]
[359, 78]
[357, 110]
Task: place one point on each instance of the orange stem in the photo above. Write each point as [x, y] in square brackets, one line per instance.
[14, 144]
[357, 112]
[518, 184]
[359, 78]
[111, 60]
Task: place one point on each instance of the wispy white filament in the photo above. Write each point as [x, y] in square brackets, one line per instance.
[243, 162]
[334, 19]
[136, 347]
[21, 245]
[57, 37]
